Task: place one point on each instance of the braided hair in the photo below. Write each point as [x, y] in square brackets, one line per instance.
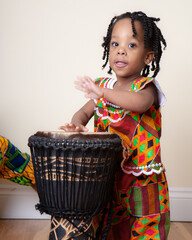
[153, 39]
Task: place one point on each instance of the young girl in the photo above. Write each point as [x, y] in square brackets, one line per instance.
[129, 105]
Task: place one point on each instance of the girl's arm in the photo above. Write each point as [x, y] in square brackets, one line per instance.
[80, 119]
[133, 101]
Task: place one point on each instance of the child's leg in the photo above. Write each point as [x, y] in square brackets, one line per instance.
[151, 227]
[14, 165]
[147, 201]
[122, 219]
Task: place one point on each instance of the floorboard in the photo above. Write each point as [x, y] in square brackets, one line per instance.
[39, 230]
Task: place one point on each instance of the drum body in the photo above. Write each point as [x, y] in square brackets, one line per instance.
[74, 172]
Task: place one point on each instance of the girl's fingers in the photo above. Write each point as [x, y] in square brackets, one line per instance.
[70, 127]
[81, 88]
[87, 95]
[88, 79]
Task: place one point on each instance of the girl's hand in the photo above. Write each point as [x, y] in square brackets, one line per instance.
[70, 127]
[86, 84]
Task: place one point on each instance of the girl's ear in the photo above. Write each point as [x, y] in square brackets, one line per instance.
[149, 57]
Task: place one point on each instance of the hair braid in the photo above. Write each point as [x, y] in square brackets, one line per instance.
[106, 43]
[153, 39]
[133, 25]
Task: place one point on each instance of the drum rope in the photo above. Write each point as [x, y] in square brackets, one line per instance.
[81, 228]
[56, 190]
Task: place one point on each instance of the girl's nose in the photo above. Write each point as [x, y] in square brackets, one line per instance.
[121, 51]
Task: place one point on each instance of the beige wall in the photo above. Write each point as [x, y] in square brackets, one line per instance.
[45, 44]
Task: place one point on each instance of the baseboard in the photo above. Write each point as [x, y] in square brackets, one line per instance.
[18, 202]
[181, 204]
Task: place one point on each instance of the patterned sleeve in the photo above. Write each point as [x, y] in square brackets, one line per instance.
[141, 83]
[98, 81]
[15, 165]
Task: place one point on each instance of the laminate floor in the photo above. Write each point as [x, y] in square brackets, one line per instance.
[39, 230]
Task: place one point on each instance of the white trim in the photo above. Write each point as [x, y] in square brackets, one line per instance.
[19, 202]
[180, 204]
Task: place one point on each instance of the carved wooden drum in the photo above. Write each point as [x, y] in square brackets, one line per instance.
[74, 175]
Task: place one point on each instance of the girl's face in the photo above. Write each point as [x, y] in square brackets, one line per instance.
[127, 55]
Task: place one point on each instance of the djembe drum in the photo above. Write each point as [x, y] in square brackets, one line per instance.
[74, 175]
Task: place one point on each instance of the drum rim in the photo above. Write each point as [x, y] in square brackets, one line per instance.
[71, 135]
[76, 141]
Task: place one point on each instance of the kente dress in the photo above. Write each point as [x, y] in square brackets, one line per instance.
[141, 203]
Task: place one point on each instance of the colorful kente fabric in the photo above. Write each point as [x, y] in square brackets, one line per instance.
[140, 132]
[141, 211]
[153, 227]
[14, 165]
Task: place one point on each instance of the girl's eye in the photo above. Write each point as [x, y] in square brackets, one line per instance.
[115, 44]
[132, 45]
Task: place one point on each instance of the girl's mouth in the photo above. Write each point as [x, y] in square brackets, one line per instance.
[120, 64]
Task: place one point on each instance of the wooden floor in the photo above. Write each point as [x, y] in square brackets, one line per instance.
[39, 230]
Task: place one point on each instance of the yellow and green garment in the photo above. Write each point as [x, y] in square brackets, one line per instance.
[15, 165]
